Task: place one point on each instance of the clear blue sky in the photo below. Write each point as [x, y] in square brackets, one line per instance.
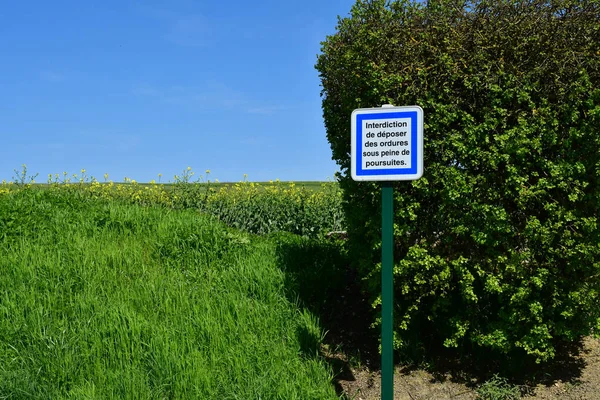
[134, 89]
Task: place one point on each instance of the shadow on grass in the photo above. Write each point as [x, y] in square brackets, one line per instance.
[318, 274]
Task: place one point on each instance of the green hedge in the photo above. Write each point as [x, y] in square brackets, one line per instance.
[497, 246]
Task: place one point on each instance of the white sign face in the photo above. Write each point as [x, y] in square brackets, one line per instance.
[387, 143]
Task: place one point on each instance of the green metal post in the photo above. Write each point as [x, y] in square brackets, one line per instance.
[387, 291]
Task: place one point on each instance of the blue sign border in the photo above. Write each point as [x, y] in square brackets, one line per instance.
[413, 115]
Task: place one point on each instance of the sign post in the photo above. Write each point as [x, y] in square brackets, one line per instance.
[387, 291]
[387, 145]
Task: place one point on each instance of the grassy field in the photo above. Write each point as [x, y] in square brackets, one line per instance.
[103, 299]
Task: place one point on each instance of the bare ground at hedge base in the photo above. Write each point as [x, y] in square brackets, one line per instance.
[417, 384]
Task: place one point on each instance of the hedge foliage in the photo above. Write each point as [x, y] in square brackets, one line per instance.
[497, 246]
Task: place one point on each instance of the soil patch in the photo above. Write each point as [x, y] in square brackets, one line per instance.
[363, 383]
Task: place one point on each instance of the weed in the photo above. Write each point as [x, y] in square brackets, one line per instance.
[498, 388]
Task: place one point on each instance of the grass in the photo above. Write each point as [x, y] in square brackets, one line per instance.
[101, 299]
[498, 388]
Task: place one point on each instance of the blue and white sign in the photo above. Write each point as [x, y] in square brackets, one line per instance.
[387, 143]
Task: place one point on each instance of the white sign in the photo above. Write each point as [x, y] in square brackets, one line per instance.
[387, 143]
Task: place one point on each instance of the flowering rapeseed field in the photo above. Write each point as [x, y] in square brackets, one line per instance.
[253, 207]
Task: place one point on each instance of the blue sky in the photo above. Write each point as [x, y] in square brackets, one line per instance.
[137, 89]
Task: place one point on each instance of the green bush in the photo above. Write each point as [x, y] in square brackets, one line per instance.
[497, 245]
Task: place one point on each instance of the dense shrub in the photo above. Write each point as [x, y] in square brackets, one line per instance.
[497, 244]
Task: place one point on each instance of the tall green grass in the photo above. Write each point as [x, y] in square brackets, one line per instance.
[100, 299]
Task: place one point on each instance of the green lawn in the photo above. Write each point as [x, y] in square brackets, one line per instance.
[100, 299]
